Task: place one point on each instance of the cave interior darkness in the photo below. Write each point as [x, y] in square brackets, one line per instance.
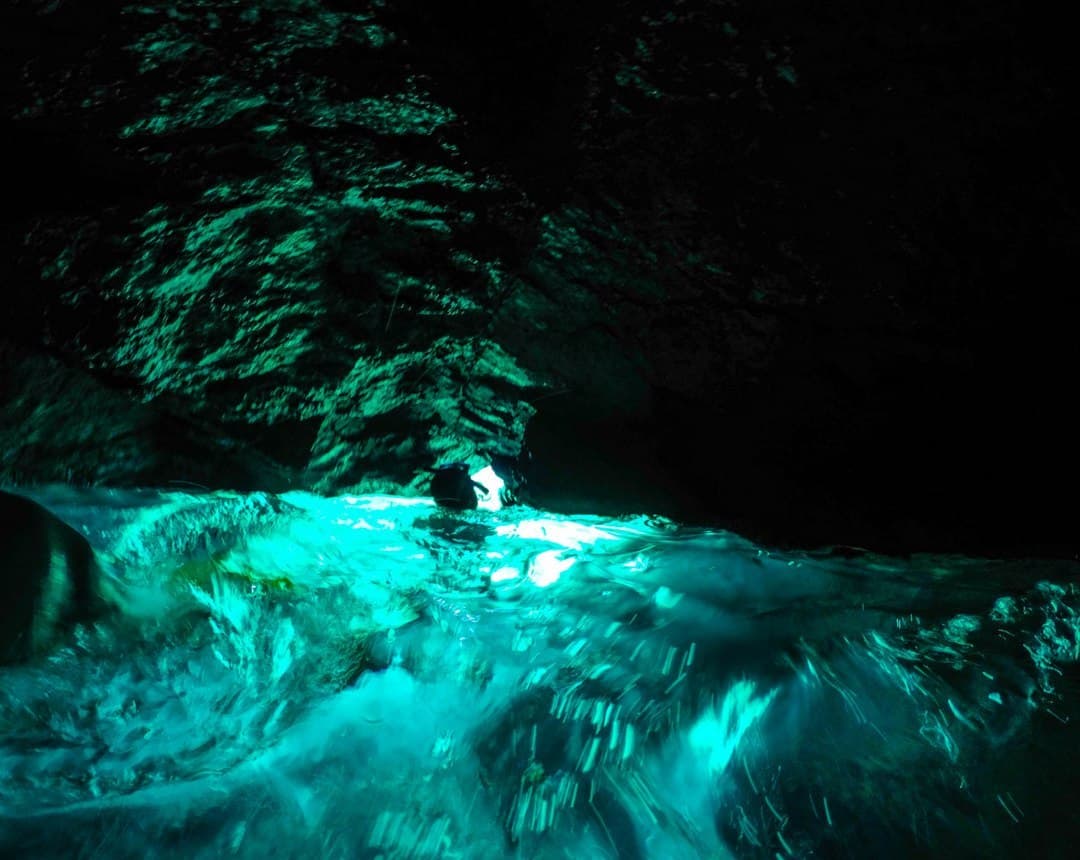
[801, 273]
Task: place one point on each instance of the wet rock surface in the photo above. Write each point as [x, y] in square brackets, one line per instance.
[51, 579]
[800, 273]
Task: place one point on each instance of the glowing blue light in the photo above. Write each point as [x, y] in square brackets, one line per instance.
[717, 734]
[547, 567]
[666, 598]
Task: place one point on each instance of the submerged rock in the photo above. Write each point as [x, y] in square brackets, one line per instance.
[51, 578]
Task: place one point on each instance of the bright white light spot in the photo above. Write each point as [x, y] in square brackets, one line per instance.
[385, 503]
[547, 567]
[312, 502]
[717, 733]
[504, 574]
[638, 564]
[494, 484]
[568, 534]
[666, 598]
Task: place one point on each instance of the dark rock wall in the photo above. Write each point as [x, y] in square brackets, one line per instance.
[802, 271]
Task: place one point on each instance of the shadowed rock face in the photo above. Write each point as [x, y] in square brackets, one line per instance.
[49, 578]
[791, 271]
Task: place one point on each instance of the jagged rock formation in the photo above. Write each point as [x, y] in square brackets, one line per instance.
[743, 262]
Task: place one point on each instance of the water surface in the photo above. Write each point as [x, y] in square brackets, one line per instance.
[297, 676]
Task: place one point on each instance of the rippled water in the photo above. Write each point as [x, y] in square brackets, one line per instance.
[370, 677]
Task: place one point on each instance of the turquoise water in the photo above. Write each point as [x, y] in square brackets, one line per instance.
[295, 676]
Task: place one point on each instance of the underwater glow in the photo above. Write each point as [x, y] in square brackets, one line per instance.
[571, 535]
[548, 566]
[505, 574]
[717, 733]
[339, 677]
